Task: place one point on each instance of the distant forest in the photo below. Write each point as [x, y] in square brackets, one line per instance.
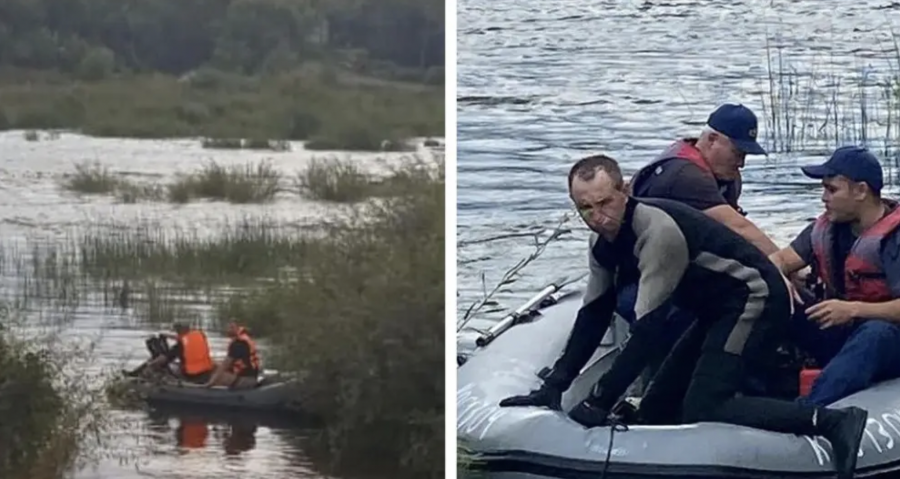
[90, 38]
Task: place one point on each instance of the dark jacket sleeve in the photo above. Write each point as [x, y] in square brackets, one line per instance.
[591, 324]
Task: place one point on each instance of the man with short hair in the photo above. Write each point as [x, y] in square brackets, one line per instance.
[191, 350]
[853, 329]
[680, 256]
[241, 367]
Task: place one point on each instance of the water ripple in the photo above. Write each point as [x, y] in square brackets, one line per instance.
[545, 82]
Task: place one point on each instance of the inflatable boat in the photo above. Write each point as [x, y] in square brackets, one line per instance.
[272, 392]
[532, 442]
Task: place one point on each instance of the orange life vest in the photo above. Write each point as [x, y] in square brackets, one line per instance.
[864, 277]
[238, 366]
[196, 356]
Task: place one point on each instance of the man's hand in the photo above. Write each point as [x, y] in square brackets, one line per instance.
[545, 396]
[832, 312]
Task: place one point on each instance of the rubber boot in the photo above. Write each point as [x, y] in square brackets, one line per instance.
[844, 429]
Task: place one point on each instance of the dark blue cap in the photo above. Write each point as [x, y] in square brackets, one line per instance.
[853, 162]
[739, 124]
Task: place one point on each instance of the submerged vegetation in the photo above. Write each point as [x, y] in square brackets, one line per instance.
[813, 108]
[344, 75]
[361, 295]
[330, 180]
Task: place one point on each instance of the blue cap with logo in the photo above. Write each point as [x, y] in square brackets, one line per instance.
[739, 124]
[853, 162]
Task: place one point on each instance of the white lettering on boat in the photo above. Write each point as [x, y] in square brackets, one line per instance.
[474, 413]
[881, 434]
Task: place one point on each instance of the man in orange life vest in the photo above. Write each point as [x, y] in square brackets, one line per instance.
[191, 350]
[854, 248]
[703, 173]
[241, 366]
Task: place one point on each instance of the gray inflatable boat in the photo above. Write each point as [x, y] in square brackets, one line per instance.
[531, 442]
[273, 392]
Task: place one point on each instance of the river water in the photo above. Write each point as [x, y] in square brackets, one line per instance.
[35, 209]
[537, 90]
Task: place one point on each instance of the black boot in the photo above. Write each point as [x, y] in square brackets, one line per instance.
[590, 415]
[844, 429]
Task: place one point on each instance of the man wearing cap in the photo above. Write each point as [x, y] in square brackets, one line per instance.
[853, 329]
[703, 173]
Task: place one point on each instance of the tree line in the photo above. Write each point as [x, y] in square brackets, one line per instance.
[93, 37]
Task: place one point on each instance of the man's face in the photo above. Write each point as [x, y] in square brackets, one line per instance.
[600, 202]
[843, 199]
[725, 159]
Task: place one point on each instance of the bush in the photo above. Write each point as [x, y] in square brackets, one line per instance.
[51, 419]
[365, 323]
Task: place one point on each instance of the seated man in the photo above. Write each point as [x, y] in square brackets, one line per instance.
[703, 173]
[684, 257]
[191, 350]
[240, 368]
[854, 329]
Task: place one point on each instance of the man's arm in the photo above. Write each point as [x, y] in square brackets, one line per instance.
[591, 324]
[226, 363]
[701, 191]
[888, 310]
[729, 217]
[787, 260]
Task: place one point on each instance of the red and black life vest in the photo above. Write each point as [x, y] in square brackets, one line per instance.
[864, 276]
[681, 150]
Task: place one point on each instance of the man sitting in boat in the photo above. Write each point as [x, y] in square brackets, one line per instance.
[191, 350]
[739, 297]
[241, 366]
[853, 329]
[703, 173]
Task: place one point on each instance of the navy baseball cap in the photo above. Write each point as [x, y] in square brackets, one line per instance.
[739, 124]
[853, 162]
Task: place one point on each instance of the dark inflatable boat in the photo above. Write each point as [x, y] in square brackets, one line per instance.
[531, 442]
[273, 391]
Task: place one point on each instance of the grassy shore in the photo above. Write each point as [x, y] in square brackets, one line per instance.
[329, 109]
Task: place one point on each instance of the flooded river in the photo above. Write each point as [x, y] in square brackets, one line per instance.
[34, 209]
[543, 83]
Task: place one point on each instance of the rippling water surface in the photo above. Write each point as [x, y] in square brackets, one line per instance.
[34, 209]
[542, 83]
